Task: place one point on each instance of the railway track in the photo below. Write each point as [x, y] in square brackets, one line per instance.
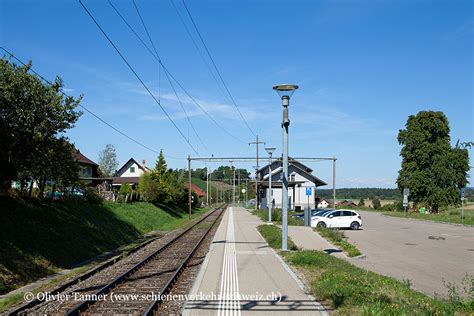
[134, 287]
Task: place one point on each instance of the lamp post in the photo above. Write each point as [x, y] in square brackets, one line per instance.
[270, 151]
[285, 91]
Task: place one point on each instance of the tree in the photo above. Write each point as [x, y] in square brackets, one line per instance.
[108, 160]
[33, 117]
[361, 202]
[376, 204]
[432, 170]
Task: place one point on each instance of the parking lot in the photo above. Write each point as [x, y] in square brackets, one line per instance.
[423, 252]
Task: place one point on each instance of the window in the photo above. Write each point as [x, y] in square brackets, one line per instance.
[347, 213]
[334, 214]
[132, 169]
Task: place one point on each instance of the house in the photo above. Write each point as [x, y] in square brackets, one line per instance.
[323, 204]
[200, 193]
[302, 184]
[89, 170]
[129, 173]
[346, 203]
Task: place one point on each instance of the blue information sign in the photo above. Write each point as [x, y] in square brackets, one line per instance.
[308, 191]
[462, 194]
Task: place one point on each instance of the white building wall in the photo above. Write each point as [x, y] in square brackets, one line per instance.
[127, 173]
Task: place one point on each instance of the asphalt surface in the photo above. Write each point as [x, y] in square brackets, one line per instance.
[428, 254]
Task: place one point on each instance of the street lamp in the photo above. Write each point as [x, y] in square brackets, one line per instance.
[285, 91]
[270, 151]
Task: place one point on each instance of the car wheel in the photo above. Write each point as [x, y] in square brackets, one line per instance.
[322, 224]
[355, 225]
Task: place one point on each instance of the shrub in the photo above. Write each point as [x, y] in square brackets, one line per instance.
[124, 192]
[149, 189]
[92, 196]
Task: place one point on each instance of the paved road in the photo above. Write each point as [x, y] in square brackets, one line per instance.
[421, 251]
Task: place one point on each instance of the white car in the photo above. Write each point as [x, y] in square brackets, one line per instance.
[338, 219]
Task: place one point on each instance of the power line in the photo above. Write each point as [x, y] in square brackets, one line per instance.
[217, 69]
[87, 110]
[136, 75]
[171, 75]
[168, 77]
[198, 50]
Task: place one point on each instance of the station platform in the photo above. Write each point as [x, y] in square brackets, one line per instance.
[243, 275]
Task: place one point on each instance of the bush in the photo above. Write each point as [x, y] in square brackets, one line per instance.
[376, 203]
[124, 192]
[92, 196]
[149, 189]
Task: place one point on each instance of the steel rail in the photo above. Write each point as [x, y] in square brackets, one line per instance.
[22, 309]
[168, 286]
[120, 279]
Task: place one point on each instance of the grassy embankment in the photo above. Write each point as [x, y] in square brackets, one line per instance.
[338, 238]
[39, 239]
[348, 290]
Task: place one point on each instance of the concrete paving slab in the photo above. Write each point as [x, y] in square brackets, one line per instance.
[242, 275]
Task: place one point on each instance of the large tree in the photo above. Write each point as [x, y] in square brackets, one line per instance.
[432, 169]
[108, 160]
[33, 118]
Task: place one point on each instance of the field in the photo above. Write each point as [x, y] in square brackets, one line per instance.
[39, 239]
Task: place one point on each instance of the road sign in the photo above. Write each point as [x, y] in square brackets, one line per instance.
[308, 191]
[405, 200]
[406, 191]
[462, 194]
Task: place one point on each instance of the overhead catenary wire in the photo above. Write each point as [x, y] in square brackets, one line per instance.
[89, 111]
[198, 49]
[138, 77]
[216, 68]
[168, 77]
[165, 69]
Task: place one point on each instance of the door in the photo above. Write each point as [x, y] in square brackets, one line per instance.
[334, 219]
[347, 218]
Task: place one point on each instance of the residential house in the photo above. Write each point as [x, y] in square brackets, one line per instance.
[200, 193]
[323, 204]
[346, 203]
[302, 185]
[89, 171]
[129, 173]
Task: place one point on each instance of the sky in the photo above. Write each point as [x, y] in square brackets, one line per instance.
[362, 68]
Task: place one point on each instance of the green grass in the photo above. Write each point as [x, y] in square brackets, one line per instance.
[276, 217]
[452, 215]
[350, 290]
[39, 239]
[200, 183]
[339, 239]
[272, 235]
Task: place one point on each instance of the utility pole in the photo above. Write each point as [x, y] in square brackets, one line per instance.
[233, 187]
[334, 182]
[256, 180]
[207, 185]
[238, 184]
[210, 189]
[190, 188]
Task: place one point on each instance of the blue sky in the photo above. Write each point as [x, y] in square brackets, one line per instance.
[362, 68]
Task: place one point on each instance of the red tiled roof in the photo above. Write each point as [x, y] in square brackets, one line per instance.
[197, 190]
